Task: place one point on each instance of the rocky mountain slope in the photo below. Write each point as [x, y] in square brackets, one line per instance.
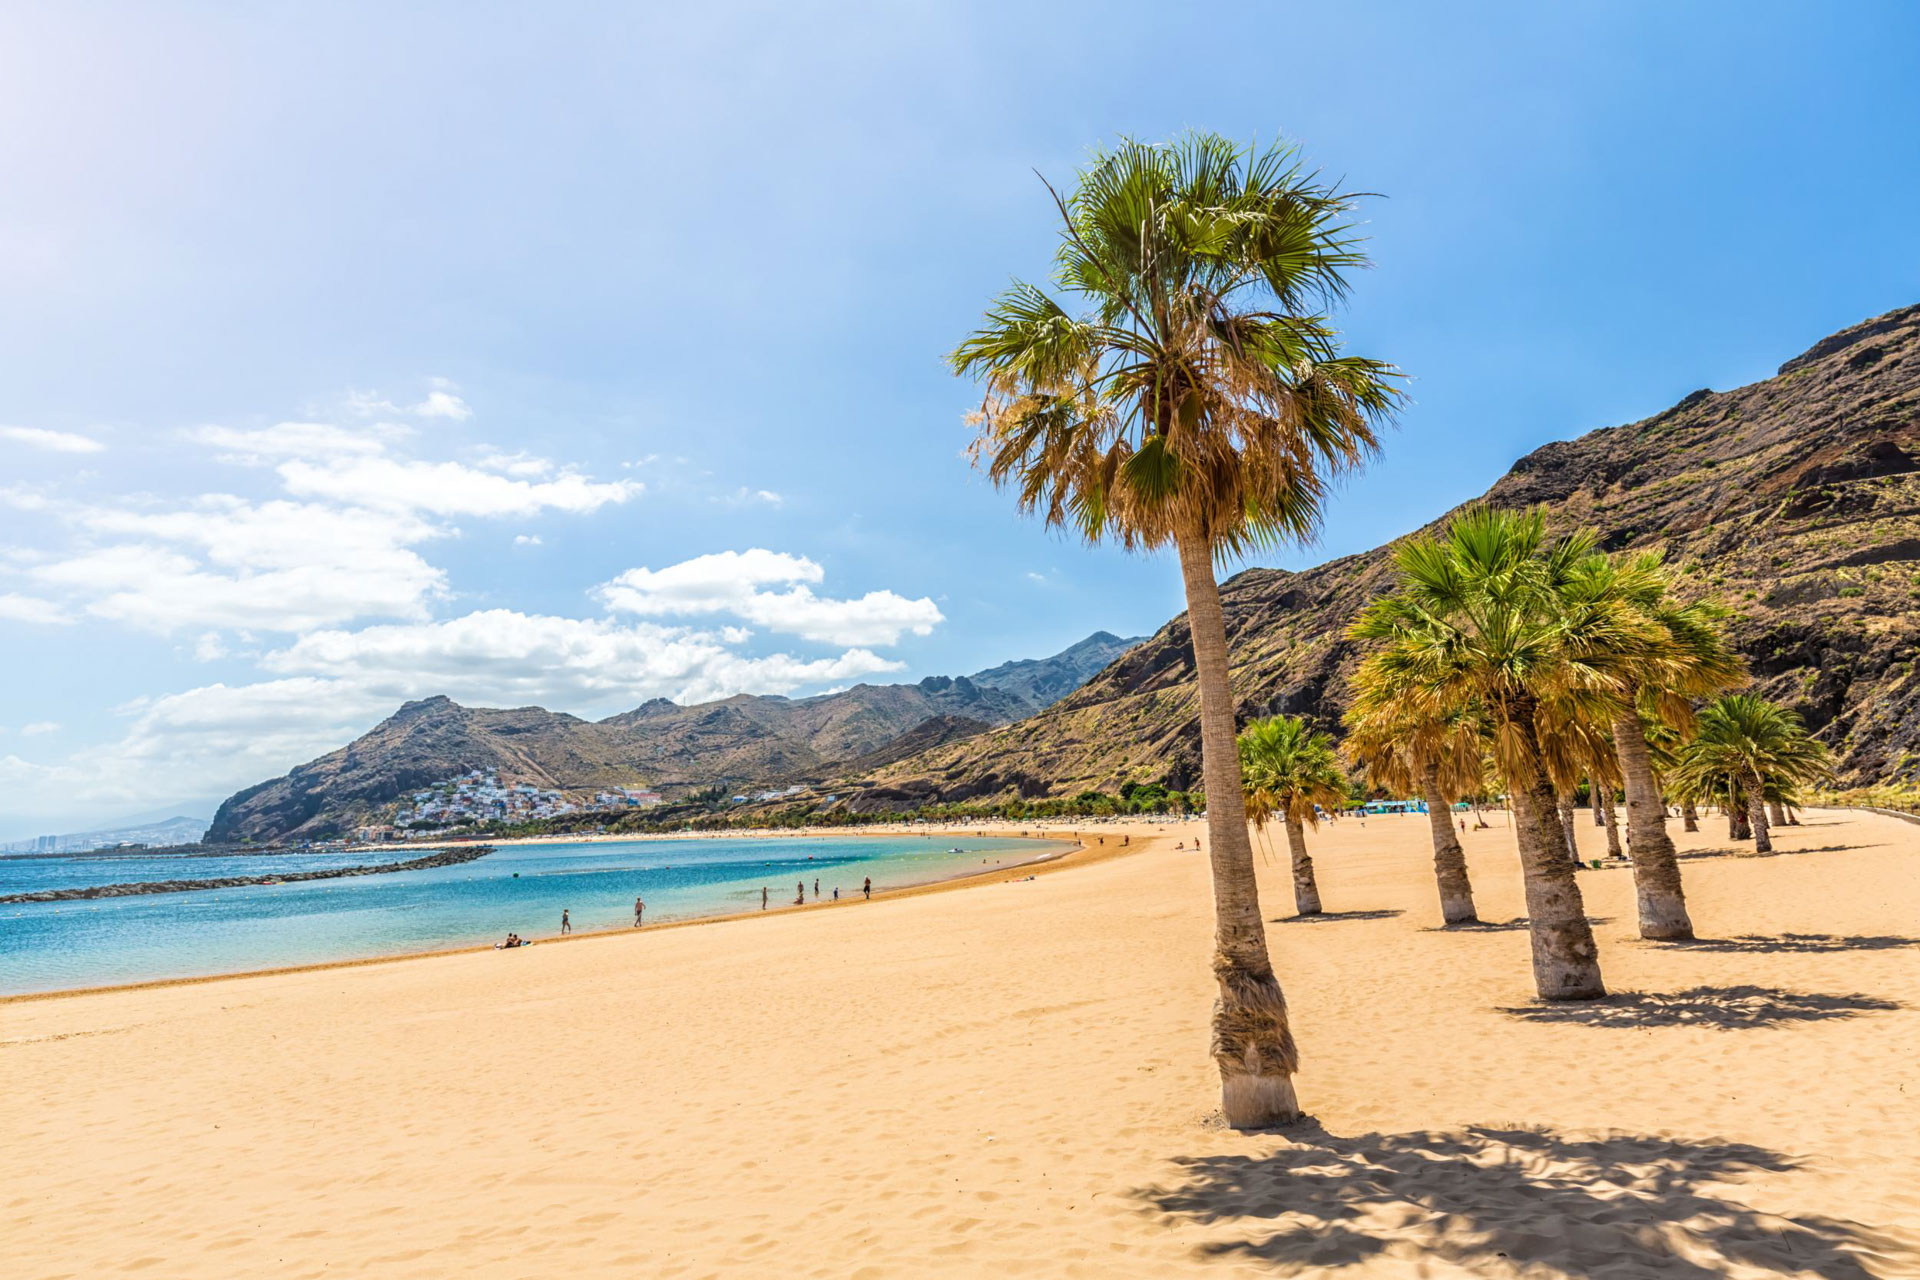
[1795, 500]
[739, 741]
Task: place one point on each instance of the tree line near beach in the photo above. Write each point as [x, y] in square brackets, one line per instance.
[1196, 396]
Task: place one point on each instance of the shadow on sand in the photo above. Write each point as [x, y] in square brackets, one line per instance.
[1793, 944]
[1327, 917]
[1725, 1008]
[1510, 1202]
[1518, 924]
[1697, 854]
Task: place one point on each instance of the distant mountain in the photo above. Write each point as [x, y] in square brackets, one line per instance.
[739, 741]
[1795, 500]
[1044, 681]
[168, 832]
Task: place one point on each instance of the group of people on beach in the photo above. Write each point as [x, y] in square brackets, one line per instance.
[800, 892]
[640, 908]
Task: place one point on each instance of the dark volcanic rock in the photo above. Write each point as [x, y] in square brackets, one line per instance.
[439, 858]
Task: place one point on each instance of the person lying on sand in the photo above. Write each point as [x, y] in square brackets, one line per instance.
[513, 940]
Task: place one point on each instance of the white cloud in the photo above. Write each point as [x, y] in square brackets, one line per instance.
[39, 727]
[503, 656]
[521, 464]
[52, 441]
[447, 488]
[293, 440]
[342, 546]
[442, 403]
[226, 562]
[526, 539]
[18, 608]
[744, 496]
[209, 647]
[730, 582]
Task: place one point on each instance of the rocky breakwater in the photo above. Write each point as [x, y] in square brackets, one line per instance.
[438, 858]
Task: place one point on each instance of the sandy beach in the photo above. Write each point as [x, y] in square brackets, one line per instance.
[1010, 1077]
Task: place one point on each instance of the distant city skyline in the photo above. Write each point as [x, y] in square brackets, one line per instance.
[358, 355]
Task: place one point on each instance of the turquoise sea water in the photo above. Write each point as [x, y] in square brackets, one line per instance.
[49, 946]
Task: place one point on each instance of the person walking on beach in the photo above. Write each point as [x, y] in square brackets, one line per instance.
[639, 910]
[867, 888]
[566, 925]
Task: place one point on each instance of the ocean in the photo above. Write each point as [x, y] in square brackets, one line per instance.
[50, 946]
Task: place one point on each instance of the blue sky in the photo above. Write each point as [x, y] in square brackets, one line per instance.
[593, 353]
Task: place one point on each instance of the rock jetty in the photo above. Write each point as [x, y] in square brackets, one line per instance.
[438, 858]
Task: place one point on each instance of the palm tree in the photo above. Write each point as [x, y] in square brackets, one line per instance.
[1439, 759]
[1692, 660]
[1288, 771]
[1746, 752]
[1196, 397]
[1490, 613]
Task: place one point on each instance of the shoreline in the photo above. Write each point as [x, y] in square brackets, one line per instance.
[1045, 863]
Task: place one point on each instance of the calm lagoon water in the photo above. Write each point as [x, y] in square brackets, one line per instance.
[48, 946]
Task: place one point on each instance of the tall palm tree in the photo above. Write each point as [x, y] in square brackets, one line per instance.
[1440, 759]
[1191, 394]
[1288, 772]
[1747, 751]
[1693, 661]
[1491, 613]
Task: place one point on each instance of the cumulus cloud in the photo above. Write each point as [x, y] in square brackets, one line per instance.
[502, 655]
[442, 403]
[292, 440]
[15, 607]
[52, 441]
[733, 582]
[221, 561]
[342, 545]
[39, 727]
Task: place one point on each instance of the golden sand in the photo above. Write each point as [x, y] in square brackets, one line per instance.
[1011, 1079]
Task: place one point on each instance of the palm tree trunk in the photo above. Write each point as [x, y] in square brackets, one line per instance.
[1775, 818]
[1611, 819]
[1593, 798]
[1566, 963]
[1689, 817]
[1656, 871]
[1306, 894]
[1449, 862]
[1252, 1043]
[1564, 808]
[1757, 819]
[1736, 809]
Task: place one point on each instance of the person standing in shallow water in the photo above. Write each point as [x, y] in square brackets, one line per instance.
[763, 897]
[566, 925]
[867, 888]
[639, 911]
[800, 894]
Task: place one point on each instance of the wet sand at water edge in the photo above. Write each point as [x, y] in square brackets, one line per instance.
[1011, 1078]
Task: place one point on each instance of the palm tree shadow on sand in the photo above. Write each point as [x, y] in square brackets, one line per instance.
[1793, 943]
[1513, 1202]
[1329, 917]
[1725, 1008]
[1519, 924]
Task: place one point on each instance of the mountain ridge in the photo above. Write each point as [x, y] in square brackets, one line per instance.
[746, 739]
